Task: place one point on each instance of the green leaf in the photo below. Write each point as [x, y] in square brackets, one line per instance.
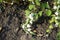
[48, 12]
[1, 0]
[36, 16]
[37, 2]
[58, 36]
[32, 33]
[50, 27]
[27, 12]
[31, 6]
[52, 20]
[30, 0]
[42, 6]
[40, 13]
[9, 1]
[45, 5]
[48, 31]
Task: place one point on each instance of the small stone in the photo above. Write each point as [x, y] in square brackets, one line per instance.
[23, 0]
[46, 35]
[0, 28]
[40, 35]
[23, 37]
[16, 29]
[12, 3]
[34, 31]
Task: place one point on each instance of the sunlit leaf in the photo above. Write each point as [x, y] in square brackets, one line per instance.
[48, 31]
[27, 12]
[30, 0]
[52, 20]
[50, 27]
[31, 7]
[48, 12]
[45, 5]
[37, 2]
[35, 16]
[1, 0]
[40, 13]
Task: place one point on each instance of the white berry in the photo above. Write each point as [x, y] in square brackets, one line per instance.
[29, 29]
[31, 16]
[56, 13]
[28, 25]
[55, 7]
[23, 26]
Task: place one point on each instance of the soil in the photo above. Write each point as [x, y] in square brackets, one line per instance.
[11, 18]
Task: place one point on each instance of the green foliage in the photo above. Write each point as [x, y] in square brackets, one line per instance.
[52, 19]
[36, 9]
[45, 5]
[27, 12]
[58, 36]
[1, 0]
[40, 13]
[48, 12]
[48, 31]
[30, 0]
[37, 2]
[31, 6]
[44, 8]
[50, 26]
[35, 16]
[9, 1]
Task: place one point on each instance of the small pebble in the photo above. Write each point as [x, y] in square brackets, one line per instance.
[34, 31]
[0, 28]
[39, 35]
[12, 3]
[46, 35]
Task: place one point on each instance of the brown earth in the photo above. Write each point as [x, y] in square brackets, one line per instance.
[11, 18]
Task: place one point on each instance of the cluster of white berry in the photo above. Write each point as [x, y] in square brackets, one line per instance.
[57, 13]
[27, 26]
